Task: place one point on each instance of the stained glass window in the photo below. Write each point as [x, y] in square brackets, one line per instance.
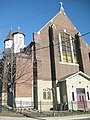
[67, 48]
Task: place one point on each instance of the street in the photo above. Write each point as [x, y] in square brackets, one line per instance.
[75, 117]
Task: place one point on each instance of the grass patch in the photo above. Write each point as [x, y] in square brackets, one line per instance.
[11, 114]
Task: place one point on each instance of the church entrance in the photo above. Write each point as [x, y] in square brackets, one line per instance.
[81, 98]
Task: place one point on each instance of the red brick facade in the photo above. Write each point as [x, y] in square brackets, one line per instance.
[61, 22]
[23, 78]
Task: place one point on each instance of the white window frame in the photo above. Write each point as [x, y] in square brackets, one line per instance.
[61, 53]
[47, 90]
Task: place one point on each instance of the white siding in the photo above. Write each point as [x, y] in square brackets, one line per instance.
[76, 82]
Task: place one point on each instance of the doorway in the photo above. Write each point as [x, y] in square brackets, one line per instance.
[81, 98]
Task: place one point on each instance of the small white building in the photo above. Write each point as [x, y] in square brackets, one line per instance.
[75, 91]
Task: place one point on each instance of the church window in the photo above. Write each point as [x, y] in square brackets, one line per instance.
[73, 98]
[67, 48]
[47, 94]
[88, 96]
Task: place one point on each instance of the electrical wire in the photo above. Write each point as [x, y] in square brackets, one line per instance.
[84, 34]
[32, 17]
[37, 15]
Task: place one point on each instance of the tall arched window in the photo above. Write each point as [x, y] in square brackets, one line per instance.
[67, 48]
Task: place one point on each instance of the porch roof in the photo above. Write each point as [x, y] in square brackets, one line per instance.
[73, 75]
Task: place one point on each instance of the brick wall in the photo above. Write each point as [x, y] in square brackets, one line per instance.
[23, 78]
[85, 56]
[61, 22]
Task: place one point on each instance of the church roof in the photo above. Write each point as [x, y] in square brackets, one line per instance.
[62, 22]
[9, 36]
[61, 11]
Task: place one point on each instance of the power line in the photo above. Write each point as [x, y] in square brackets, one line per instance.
[37, 15]
[32, 17]
[44, 47]
[85, 34]
[59, 43]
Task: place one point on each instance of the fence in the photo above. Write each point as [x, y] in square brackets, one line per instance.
[79, 105]
[26, 105]
[48, 106]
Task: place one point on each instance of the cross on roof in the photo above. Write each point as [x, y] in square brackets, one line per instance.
[61, 4]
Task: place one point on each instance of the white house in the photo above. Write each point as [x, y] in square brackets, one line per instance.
[75, 91]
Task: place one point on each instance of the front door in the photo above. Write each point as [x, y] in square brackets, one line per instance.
[81, 98]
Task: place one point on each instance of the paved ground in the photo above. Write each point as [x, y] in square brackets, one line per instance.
[76, 117]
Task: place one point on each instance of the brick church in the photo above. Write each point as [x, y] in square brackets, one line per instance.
[53, 70]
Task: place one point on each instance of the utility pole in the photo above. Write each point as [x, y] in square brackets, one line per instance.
[12, 81]
[53, 71]
[35, 95]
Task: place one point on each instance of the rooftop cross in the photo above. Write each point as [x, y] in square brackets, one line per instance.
[61, 4]
[11, 28]
[61, 8]
[18, 29]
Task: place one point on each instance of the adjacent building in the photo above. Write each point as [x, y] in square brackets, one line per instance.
[17, 76]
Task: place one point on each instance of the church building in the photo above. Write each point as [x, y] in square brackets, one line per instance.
[53, 71]
[63, 65]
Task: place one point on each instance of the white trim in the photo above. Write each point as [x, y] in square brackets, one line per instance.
[80, 72]
[65, 30]
[69, 63]
[71, 46]
[46, 90]
[38, 32]
[84, 74]
[72, 49]
[51, 20]
[60, 47]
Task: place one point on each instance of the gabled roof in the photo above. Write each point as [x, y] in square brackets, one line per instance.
[60, 12]
[75, 74]
[49, 21]
[78, 73]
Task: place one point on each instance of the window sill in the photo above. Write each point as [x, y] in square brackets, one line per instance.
[69, 63]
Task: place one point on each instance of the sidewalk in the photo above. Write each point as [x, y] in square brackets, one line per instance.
[48, 115]
[54, 114]
[75, 117]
